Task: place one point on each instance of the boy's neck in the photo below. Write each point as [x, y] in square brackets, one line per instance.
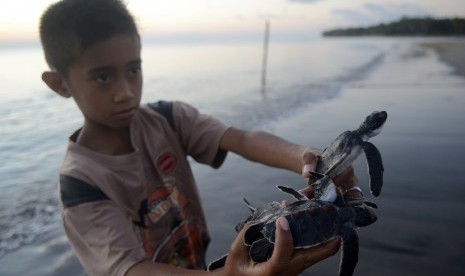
[106, 141]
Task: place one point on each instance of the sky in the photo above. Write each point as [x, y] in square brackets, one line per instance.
[177, 20]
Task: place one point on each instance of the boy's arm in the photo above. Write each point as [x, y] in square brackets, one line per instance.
[268, 149]
[271, 150]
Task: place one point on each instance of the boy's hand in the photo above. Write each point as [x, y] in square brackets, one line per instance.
[344, 181]
[309, 161]
[284, 260]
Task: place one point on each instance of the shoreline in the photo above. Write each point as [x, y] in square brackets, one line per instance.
[450, 52]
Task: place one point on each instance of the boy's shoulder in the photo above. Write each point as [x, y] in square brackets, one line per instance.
[164, 108]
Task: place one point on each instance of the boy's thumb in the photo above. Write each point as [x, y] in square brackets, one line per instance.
[284, 245]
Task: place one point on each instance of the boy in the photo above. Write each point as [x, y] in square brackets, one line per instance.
[128, 199]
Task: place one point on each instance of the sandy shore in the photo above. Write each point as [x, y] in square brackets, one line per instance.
[452, 53]
[421, 222]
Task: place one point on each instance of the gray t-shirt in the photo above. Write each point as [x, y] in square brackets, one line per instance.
[153, 210]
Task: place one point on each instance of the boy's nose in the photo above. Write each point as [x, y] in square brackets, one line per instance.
[124, 92]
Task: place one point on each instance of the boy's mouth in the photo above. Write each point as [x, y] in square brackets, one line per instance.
[126, 113]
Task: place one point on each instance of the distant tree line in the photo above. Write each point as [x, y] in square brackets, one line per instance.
[407, 27]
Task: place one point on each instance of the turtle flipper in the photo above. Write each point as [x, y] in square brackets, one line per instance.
[375, 167]
[261, 250]
[298, 195]
[218, 263]
[247, 203]
[253, 233]
[349, 256]
[314, 176]
[364, 216]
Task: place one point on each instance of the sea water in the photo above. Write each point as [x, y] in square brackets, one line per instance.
[220, 79]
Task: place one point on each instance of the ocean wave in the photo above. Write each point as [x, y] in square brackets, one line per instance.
[33, 215]
[277, 102]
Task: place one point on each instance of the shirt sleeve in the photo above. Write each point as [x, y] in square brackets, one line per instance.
[200, 134]
[103, 238]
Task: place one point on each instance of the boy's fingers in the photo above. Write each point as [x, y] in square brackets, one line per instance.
[306, 169]
[238, 252]
[311, 256]
[347, 179]
[326, 250]
[309, 161]
[284, 246]
[308, 191]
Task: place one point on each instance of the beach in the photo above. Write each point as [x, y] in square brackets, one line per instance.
[451, 53]
[421, 209]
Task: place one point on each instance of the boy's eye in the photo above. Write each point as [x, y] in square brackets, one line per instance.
[135, 70]
[103, 78]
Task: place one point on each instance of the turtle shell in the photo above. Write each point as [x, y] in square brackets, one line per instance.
[311, 223]
[269, 211]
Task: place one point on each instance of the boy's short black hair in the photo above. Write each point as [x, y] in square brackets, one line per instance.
[68, 27]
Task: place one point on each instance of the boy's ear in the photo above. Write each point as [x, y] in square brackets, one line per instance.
[57, 83]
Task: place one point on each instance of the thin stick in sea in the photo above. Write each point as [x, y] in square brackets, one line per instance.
[265, 53]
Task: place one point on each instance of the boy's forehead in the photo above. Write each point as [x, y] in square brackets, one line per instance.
[117, 49]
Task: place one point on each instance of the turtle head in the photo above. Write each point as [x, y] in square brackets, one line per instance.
[373, 124]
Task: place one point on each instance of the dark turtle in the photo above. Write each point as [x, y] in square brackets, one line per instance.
[311, 222]
[341, 153]
[327, 215]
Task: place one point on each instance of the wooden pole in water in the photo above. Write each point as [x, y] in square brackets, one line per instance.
[265, 53]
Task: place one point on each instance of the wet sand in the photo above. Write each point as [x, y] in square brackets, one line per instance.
[452, 53]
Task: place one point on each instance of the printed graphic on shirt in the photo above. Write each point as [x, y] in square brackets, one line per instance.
[166, 163]
[170, 234]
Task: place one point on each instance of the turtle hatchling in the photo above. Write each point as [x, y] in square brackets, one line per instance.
[341, 153]
[328, 215]
[311, 223]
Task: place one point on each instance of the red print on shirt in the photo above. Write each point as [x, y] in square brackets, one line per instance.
[169, 232]
[166, 162]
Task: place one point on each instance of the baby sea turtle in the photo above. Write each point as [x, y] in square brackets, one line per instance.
[327, 215]
[311, 222]
[341, 153]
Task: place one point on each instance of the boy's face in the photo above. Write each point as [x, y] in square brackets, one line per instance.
[106, 81]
